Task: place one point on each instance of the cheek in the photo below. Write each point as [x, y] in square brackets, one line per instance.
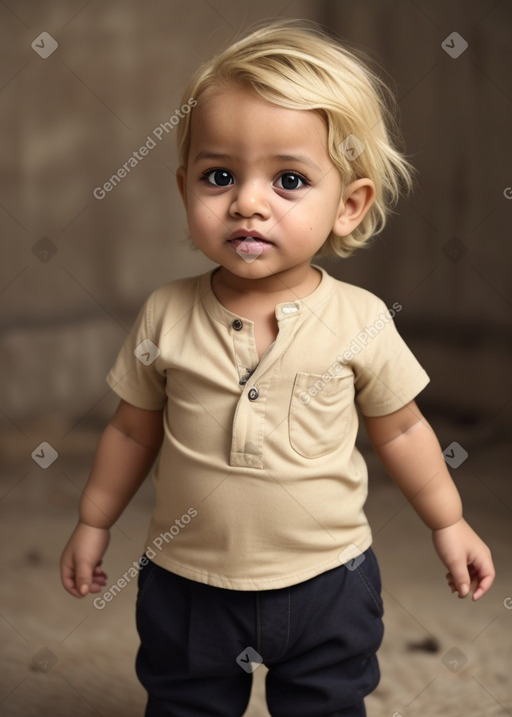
[309, 218]
[200, 216]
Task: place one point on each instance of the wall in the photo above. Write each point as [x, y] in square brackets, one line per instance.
[75, 268]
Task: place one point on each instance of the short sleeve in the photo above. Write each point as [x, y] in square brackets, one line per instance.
[136, 376]
[391, 376]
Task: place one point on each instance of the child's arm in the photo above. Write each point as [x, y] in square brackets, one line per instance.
[126, 450]
[411, 454]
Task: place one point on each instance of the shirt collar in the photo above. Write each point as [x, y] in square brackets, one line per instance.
[283, 310]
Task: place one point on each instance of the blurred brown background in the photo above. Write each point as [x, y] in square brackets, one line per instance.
[75, 269]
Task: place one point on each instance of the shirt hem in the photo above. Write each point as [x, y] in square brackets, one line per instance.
[384, 409]
[246, 584]
[131, 397]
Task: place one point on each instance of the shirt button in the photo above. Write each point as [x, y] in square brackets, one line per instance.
[237, 325]
[253, 393]
[289, 309]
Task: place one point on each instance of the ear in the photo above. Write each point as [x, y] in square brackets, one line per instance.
[181, 180]
[356, 201]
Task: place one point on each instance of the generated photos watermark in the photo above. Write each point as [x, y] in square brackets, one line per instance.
[44, 45]
[455, 660]
[249, 659]
[455, 455]
[360, 342]
[454, 45]
[158, 134]
[352, 147]
[100, 602]
[147, 352]
[43, 660]
[44, 455]
[346, 557]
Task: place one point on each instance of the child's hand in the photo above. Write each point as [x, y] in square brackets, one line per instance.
[467, 558]
[81, 560]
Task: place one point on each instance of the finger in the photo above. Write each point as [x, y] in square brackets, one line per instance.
[483, 573]
[451, 584]
[83, 578]
[94, 589]
[460, 577]
[483, 578]
[475, 579]
[483, 586]
[69, 585]
[98, 580]
[67, 576]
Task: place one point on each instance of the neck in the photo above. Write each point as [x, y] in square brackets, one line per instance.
[295, 283]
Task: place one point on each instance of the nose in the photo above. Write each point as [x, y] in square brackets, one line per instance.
[250, 199]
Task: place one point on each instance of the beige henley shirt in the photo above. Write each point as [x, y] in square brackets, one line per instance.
[259, 484]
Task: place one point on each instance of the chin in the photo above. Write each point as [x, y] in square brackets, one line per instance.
[250, 270]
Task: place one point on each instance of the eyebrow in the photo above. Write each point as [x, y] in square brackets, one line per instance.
[302, 158]
[299, 157]
[210, 155]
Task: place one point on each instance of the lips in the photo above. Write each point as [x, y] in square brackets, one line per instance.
[246, 235]
[247, 242]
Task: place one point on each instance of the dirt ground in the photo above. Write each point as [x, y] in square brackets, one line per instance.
[62, 657]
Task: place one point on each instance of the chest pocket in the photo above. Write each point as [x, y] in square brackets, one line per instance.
[321, 413]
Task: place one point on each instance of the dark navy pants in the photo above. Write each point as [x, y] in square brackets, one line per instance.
[200, 644]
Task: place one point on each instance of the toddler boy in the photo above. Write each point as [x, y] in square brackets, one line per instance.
[246, 379]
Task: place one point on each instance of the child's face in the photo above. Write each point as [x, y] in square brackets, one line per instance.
[259, 170]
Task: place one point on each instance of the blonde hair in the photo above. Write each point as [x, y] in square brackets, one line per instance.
[295, 65]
